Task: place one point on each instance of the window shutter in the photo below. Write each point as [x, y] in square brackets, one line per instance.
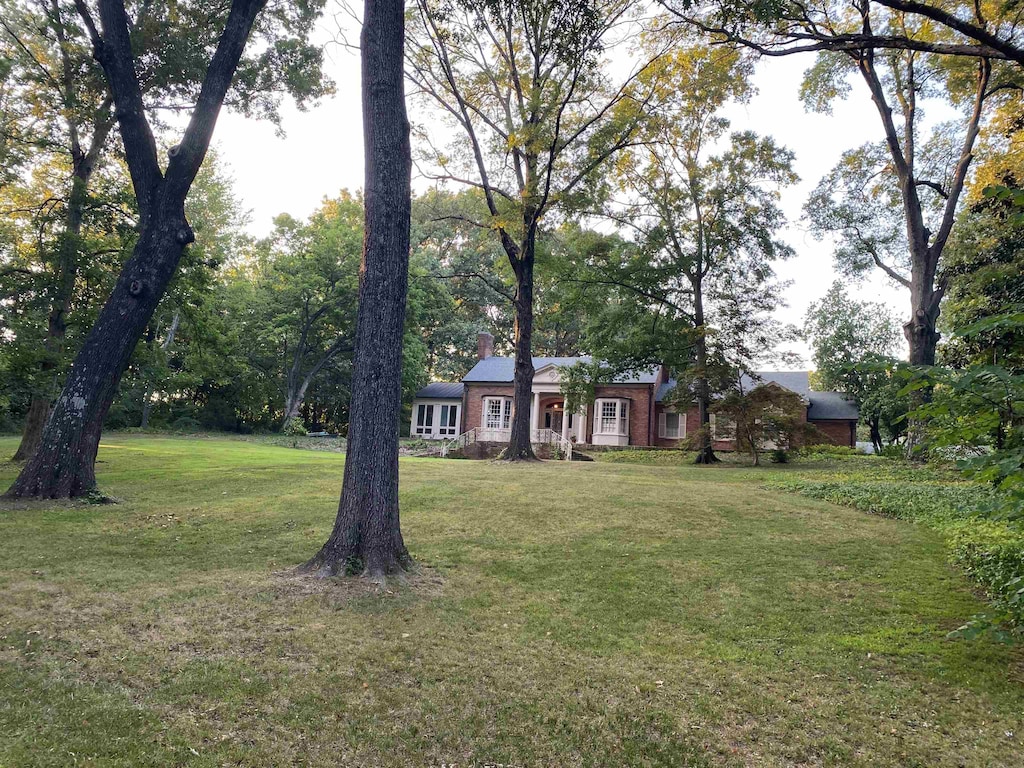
[661, 424]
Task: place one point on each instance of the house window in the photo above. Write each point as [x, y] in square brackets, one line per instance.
[424, 419]
[671, 425]
[612, 417]
[722, 428]
[449, 420]
[497, 412]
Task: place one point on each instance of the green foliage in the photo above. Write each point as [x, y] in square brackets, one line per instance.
[977, 415]
[985, 273]
[768, 417]
[986, 546]
[650, 458]
[578, 383]
[853, 343]
[295, 428]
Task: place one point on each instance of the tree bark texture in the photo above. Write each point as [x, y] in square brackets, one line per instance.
[64, 464]
[367, 535]
[520, 445]
[705, 449]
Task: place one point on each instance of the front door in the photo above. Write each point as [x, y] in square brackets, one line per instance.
[556, 422]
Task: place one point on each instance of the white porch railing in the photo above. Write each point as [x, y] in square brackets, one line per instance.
[466, 438]
[537, 437]
[550, 437]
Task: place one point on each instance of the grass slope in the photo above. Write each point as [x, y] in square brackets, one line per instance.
[588, 614]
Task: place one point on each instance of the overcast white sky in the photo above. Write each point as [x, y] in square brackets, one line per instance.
[322, 153]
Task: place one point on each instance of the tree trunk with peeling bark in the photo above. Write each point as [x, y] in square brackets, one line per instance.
[367, 535]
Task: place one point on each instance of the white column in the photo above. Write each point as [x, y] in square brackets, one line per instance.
[565, 422]
[535, 416]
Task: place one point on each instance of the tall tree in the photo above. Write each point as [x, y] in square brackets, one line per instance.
[536, 115]
[367, 534]
[71, 121]
[706, 219]
[65, 88]
[893, 204]
[309, 278]
[853, 343]
[63, 465]
[705, 224]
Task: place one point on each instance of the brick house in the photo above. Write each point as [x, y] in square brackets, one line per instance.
[633, 409]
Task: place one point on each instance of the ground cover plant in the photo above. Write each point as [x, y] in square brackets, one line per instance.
[585, 613]
[983, 540]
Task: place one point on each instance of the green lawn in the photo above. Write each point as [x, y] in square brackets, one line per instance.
[591, 614]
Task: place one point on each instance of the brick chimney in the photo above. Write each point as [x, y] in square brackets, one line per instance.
[484, 345]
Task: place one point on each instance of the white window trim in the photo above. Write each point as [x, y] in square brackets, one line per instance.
[432, 428]
[447, 429]
[621, 416]
[426, 427]
[505, 410]
[663, 425]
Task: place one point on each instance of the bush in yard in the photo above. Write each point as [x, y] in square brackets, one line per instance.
[993, 555]
[295, 428]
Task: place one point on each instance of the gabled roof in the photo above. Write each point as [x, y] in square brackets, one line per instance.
[441, 390]
[794, 381]
[502, 369]
[821, 406]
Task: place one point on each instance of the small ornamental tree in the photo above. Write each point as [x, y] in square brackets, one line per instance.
[768, 417]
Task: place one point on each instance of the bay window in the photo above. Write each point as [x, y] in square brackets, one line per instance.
[611, 417]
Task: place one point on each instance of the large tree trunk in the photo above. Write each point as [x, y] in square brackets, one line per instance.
[876, 433]
[63, 465]
[922, 340]
[705, 449]
[367, 535]
[520, 444]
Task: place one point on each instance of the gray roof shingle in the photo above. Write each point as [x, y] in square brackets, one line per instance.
[502, 369]
[822, 406]
[442, 390]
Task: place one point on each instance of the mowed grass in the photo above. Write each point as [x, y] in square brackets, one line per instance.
[586, 614]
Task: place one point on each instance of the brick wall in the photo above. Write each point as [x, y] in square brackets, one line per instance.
[833, 432]
[474, 405]
[641, 401]
[641, 426]
[838, 432]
